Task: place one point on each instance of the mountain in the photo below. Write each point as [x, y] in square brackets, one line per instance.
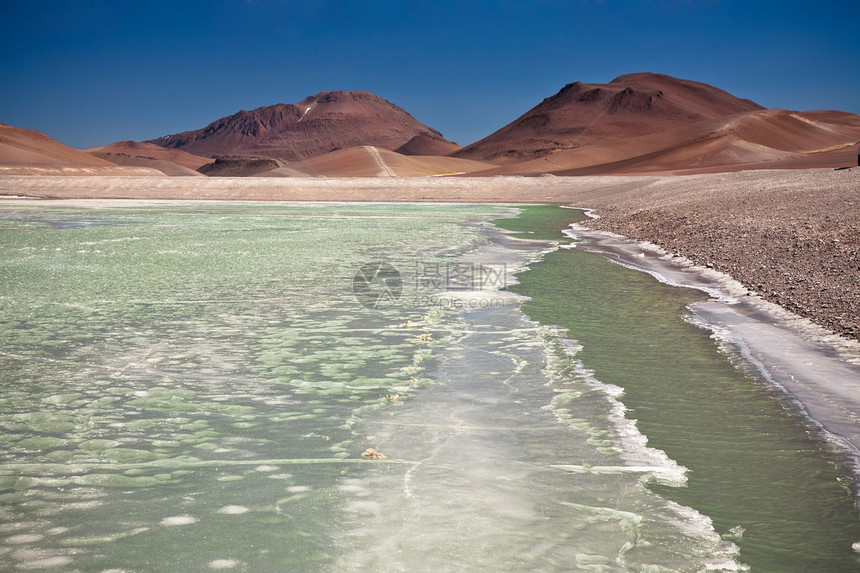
[28, 152]
[316, 125]
[629, 106]
[27, 147]
[765, 139]
[657, 124]
[423, 144]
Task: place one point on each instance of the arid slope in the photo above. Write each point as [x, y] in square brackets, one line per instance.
[652, 123]
[314, 126]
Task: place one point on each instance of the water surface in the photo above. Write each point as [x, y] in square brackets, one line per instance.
[756, 467]
[196, 387]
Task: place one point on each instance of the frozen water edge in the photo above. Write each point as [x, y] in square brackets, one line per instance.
[516, 458]
[816, 372]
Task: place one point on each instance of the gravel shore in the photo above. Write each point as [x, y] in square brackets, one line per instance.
[791, 236]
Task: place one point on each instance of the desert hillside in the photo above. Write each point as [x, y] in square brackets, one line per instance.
[316, 125]
[637, 124]
[124, 151]
[653, 123]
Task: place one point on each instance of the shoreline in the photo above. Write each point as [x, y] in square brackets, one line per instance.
[831, 403]
[738, 229]
[792, 237]
[474, 419]
[815, 373]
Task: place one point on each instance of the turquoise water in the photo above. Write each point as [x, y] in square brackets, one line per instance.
[179, 382]
[196, 387]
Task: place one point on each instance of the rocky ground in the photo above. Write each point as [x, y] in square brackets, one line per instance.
[240, 167]
[796, 244]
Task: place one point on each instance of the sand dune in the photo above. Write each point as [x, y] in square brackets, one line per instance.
[165, 167]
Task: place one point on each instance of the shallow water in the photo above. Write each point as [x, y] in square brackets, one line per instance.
[755, 465]
[179, 382]
[515, 461]
[192, 387]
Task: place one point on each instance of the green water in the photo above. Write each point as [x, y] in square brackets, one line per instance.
[541, 222]
[191, 386]
[752, 462]
[179, 382]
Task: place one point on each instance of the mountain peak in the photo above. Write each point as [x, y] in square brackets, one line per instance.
[643, 76]
[631, 105]
[318, 124]
[340, 95]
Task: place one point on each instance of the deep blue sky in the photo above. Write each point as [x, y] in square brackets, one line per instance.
[91, 72]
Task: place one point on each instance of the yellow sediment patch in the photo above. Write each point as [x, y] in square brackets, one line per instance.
[831, 148]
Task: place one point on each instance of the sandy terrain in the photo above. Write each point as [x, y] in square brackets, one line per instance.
[370, 161]
[70, 170]
[793, 237]
[165, 167]
[27, 147]
[121, 151]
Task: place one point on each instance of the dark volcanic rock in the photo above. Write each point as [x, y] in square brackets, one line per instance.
[239, 167]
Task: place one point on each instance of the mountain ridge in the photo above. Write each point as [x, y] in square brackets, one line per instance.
[641, 123]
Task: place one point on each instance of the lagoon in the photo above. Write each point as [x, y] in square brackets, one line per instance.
[246, 386]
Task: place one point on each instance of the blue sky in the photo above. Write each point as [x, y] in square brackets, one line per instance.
[90, 72]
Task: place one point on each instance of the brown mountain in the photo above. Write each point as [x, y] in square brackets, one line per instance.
[423, 144]
[581, 114]
[28, 152]
[316, 125]
[27, 147]
[764, 139]
[651, 123]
